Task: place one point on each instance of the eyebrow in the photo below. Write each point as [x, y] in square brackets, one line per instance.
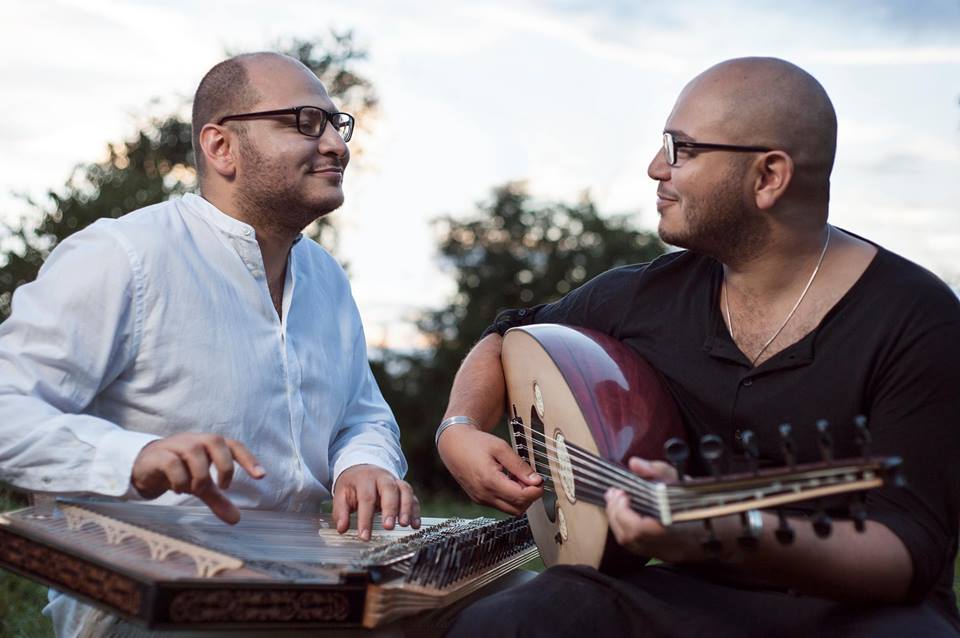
[678, 133]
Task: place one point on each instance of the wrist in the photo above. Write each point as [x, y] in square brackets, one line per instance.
[450, 422]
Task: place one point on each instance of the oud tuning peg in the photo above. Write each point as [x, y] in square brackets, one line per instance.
[677, 453]
[822, 523]
[784, 533]
[862, 435]
[858, 512]
[751, 447]
[787, 445]
[712, 545]
[752, 523]
[825, 440]
[711, 450]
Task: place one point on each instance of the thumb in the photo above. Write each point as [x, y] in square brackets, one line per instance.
[516, 466]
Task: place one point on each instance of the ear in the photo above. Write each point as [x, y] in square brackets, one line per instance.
[774, 173]
[218, 146]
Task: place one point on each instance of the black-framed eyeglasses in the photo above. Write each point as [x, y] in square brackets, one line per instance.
[311, 120]
[671, 144]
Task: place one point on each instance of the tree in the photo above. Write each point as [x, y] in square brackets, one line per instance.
[512, 252]
[158, 163]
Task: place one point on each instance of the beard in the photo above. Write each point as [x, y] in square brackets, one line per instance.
[272, 202]
[720, 224]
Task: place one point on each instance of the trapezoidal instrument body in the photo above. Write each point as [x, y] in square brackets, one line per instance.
[571, 390]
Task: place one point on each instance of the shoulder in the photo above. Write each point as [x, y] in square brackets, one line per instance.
[910, 291]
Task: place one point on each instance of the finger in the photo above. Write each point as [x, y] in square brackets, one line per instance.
[516, 466]
[414, 511]
[175, 472]
[628, 526]
[222, 459]
[405, 515]
[389, 501]
[366, 504]
[656, 470]
[518, 494]
[504, 506]
[219, 504]
[246, 459]
[198, 463]
[342, 507]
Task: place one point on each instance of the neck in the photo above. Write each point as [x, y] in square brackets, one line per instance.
[782, 265]
[275, 242]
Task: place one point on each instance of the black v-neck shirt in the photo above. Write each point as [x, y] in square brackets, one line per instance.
[889, 350]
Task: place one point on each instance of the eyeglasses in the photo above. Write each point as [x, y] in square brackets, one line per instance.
[670, 146]
[311, 120]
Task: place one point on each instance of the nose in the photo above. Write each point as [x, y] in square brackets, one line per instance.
[659, 169]
[330, 143]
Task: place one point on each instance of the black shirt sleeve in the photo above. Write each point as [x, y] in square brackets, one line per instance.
[600, 304]
[915, 414]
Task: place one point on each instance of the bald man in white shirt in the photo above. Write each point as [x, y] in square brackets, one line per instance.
[156, 350]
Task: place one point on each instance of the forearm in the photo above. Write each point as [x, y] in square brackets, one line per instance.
[868, 566]
[478, 389]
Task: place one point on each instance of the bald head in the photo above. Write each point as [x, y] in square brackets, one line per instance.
[770, 102]
[236, 85]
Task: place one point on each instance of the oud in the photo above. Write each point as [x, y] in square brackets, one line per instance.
[582, 404]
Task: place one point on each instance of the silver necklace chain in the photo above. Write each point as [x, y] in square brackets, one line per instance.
[726, 301]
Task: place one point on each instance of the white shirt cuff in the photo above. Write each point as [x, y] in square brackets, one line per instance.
[113, 463]
[360, 457]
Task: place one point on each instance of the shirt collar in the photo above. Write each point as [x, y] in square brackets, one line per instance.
[229, 225]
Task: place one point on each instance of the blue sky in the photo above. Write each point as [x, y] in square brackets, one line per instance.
[570, 96]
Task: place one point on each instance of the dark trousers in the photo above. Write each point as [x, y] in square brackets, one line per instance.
[579, 602]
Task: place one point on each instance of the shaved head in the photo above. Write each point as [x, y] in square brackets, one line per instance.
[231, 87]
[771, 102]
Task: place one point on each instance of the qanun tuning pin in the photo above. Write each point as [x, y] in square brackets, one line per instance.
[677, 453]
[711, 450]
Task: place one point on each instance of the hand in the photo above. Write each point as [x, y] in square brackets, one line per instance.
[361, 488]
[182, 463]
[645, 536]
[478, 461]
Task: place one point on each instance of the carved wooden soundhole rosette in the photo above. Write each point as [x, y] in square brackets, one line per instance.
[80, 576]
[251, 606]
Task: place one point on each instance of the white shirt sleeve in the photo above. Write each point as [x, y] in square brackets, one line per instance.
[369, 433]
[71, 333]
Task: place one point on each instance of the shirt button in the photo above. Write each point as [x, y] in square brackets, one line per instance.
[247, 231]
[522, 313]
[747, 383]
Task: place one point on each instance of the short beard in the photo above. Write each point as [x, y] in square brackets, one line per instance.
[268, 202]
[720, 225]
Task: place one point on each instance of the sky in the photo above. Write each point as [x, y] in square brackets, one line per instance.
[569, 96]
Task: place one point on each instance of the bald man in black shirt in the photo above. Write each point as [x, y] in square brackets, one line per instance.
[771, 315]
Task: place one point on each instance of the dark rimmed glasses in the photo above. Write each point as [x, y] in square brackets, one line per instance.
[671, 144]
[311, 120]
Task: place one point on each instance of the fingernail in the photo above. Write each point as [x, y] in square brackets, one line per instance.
[259, 470]
[416, 522]
[533, 476]
[365, 534]
[388, 521]
[404, 521]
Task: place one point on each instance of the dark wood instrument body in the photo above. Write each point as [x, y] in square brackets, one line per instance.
[597, 395]
[625, 403]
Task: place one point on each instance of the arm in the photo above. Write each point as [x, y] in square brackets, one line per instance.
[365, 456]
[872, 566]
[476, 459]
[73, 332]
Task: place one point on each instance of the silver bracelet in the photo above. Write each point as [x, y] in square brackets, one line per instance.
[451, 421]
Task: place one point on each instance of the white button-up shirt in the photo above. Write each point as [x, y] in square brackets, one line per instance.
[161, 322]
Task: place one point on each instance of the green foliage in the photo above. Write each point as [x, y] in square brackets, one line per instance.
[156, 164]
[512, 252]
